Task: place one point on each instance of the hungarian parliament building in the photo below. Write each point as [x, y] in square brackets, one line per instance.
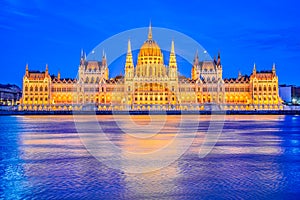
[150, 85]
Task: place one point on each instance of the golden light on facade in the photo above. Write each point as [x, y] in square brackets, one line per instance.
[150, 85]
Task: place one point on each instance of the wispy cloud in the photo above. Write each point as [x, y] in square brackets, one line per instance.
[7, 27]
[284, 38]
[21, 13]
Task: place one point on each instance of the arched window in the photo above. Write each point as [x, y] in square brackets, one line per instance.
[31, 89]
[46, 89]
[36, 88]
[41, 89]
[26, 88]
[255, 88]
[270, 88]
[265, 88]
[274, 88]
[259, 88]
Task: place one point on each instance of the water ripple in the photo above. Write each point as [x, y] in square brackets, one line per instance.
[256, 157]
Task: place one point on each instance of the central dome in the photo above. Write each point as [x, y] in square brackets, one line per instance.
[150, 52]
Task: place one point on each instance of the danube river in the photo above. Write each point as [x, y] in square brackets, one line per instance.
[234, 157]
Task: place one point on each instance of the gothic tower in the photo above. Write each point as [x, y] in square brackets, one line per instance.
[172, 63]
[129, 67]
[196, 67]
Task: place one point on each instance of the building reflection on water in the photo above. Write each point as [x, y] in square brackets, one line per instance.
[255, 157]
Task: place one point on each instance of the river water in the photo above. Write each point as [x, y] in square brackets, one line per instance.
[249, 157]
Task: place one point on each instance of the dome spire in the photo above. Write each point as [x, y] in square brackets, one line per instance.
[150, 32]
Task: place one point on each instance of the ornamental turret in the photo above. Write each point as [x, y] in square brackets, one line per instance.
[129, 67]
[196, 67]
[172, 63]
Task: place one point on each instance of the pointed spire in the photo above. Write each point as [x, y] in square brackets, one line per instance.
[219, 59]
[172, 47]
[240, 74]
[58, 75]
[196, 59]
[104, 63]
[254, 68]
[195, 67]
[215, 60]
[274, 68]
[172, 61]
[46, 71]
[82, 54]
[129, 60]
[129, 47]
[82, 57]
[129, 67]
[150, 32]
[27, 70]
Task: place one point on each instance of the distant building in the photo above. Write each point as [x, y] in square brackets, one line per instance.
[9, 94]
[296, 93]
[290, 94]
[285, 93]
[150, 85]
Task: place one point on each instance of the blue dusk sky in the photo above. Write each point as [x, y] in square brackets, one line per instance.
[40, 32]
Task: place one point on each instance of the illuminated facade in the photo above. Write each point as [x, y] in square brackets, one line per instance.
[150, 85]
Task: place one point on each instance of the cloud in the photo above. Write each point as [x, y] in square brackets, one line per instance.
[18, 8]
[7, 27]
[22, 13]
[284, 38]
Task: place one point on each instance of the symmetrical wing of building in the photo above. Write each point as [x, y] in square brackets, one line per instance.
[150, 85]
